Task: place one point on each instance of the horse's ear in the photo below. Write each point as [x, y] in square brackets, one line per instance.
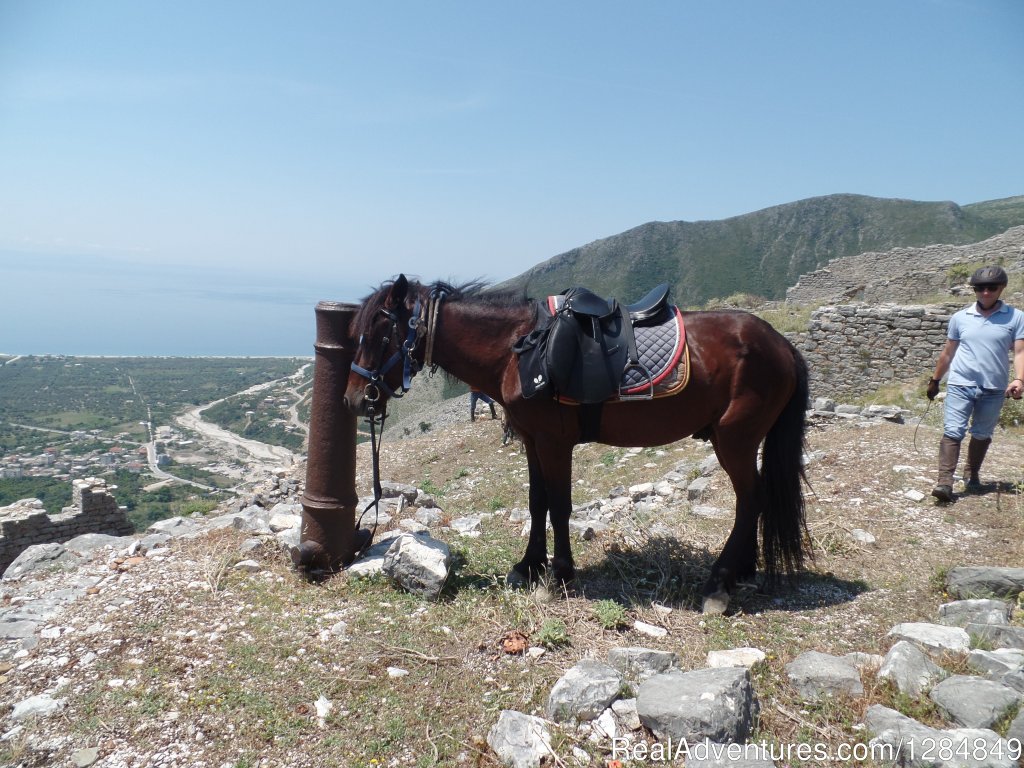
[399, 289]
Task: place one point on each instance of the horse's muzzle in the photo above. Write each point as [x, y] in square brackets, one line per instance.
[360, 406]
[355, 404]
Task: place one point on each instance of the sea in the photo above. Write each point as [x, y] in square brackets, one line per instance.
[75, 306]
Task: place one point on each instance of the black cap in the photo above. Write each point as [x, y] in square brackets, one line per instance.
[989, 276]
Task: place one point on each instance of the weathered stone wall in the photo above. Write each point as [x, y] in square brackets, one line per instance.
[903, 273]
[854, 349]
[93, 510]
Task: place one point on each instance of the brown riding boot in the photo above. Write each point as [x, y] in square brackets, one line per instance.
[949, 454]
[976, 450]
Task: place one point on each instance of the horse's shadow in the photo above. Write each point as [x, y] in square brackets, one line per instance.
[670, 572]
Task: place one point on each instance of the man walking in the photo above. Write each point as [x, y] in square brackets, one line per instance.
[474, 395]
[978, 341]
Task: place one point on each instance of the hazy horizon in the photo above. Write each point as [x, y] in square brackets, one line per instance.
[109, 309]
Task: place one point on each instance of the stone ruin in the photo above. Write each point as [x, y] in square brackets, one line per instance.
[93, 510]
[904, 273]
[861, 340]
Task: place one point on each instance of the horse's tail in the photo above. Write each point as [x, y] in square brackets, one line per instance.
[783, 523]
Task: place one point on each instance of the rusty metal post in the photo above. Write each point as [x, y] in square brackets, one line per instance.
[328, 536]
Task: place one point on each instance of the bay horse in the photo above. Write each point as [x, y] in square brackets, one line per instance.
[747, 385]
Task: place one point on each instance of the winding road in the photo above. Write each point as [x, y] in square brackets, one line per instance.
[252, 451]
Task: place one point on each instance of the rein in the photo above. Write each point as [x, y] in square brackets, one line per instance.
[422, 322]
[919, 422]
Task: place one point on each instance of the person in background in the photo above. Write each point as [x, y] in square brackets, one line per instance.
[978, 341]
[474, 395]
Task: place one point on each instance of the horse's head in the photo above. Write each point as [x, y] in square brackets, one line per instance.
[389, 329]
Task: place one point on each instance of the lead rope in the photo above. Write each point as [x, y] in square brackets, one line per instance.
[372, 422]
[919, 422]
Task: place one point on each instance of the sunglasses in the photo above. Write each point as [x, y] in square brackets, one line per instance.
[987, 287]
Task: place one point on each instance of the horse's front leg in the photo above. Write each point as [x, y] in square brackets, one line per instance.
[556, 467]
[535, 560]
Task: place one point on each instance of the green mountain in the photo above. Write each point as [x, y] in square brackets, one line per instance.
[764, 252]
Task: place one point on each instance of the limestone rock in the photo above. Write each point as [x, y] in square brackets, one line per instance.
[392, 490]
[466, 526]
[38, 557]
[419, 564]
[960, 613]
[1016, 729]
[985, 581]
[915, 745]
[933, 638]
[88, 543]
[706, 704]
[910, 669]
[820, 675]
[36, 706]
[995, 664]
[638, 664]
[974, 702]
[735, 657]
[584, 692]
[520, 741]
[175, 526]
[696, 490]
[999, 635]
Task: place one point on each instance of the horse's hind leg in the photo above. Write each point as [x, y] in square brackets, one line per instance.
[738, 560]
[535, 559]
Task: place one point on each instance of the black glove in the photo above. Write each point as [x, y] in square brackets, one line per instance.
[933, 388]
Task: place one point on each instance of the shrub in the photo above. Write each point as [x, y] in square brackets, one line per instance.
[553, 634]
[610, 614]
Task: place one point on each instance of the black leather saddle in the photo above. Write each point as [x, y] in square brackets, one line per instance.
[584, 302]
[588, 347]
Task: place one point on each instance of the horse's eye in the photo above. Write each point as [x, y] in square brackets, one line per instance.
[362, 337]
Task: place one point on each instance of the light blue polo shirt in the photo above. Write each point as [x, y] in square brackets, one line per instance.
[982, 358]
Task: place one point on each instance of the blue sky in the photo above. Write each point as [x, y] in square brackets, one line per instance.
[342, 142]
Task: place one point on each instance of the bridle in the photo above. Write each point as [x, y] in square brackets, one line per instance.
[422, 323]
[404, 355]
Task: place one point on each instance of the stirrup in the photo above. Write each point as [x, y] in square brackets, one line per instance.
[648, 393]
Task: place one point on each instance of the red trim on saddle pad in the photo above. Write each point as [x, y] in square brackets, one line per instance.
[669, 369]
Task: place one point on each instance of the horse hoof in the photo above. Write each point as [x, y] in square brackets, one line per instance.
[716, 603]
[516, 580]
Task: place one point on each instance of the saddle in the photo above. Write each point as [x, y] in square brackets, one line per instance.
[584, 348]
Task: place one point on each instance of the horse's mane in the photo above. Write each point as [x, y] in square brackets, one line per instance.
[476, 292]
